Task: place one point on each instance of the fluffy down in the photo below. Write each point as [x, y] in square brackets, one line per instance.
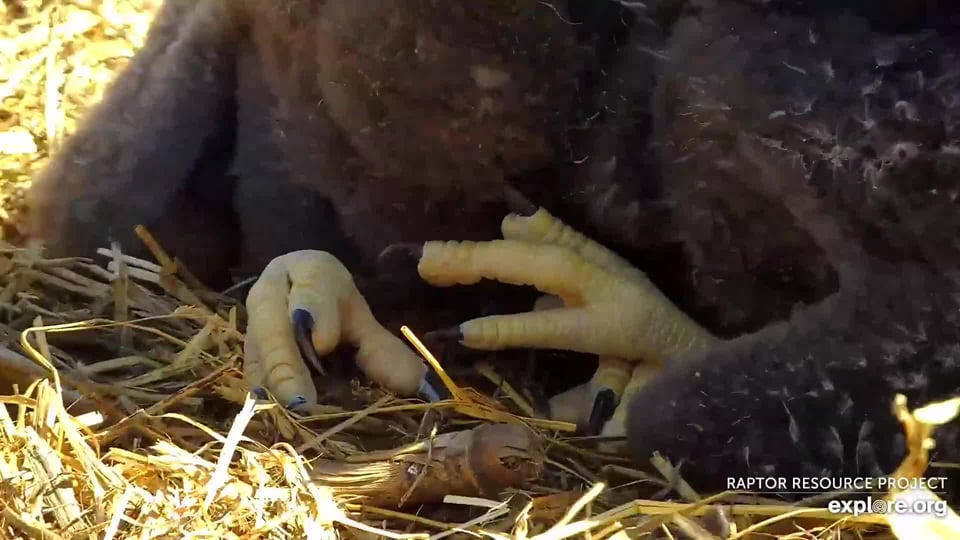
[811, 397]
[816, 141]
[870, 119]
[246, 130]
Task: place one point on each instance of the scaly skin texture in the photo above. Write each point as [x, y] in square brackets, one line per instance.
[413, 112]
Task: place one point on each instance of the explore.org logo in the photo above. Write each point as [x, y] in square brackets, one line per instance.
[913, 496]
[857, 507]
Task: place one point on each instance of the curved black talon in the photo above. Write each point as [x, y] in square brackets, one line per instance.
[399, 258]
[295, 403]
[302, 330]
[603, 407]
[259, 392]
[444, 335]
[432, 388]
[518, 203]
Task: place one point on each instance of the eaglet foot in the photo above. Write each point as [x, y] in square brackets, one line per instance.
[603, 305]
[304, 304]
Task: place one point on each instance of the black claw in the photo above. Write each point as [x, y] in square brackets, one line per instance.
[445, 335]
[295, 403]
[302, 330]
[518, 203]
[432, 388]
[603, 406]
[399, 258]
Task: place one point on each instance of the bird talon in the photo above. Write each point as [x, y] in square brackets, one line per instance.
[303, 306]
[399, 258]
[444, 335]
[604, 405]
[431, 388]
[302, 329]
[518, 203]
[598, 295]
[296, 402]
[259, 392]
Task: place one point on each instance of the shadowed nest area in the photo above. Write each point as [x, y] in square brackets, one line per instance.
[127, 415]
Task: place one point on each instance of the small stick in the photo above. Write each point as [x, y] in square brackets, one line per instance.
[133, 261]
[169, 265]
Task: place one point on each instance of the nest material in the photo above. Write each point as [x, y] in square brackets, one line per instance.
[127, 415]
[56, 59]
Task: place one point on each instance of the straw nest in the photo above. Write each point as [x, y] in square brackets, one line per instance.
[127, 416]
